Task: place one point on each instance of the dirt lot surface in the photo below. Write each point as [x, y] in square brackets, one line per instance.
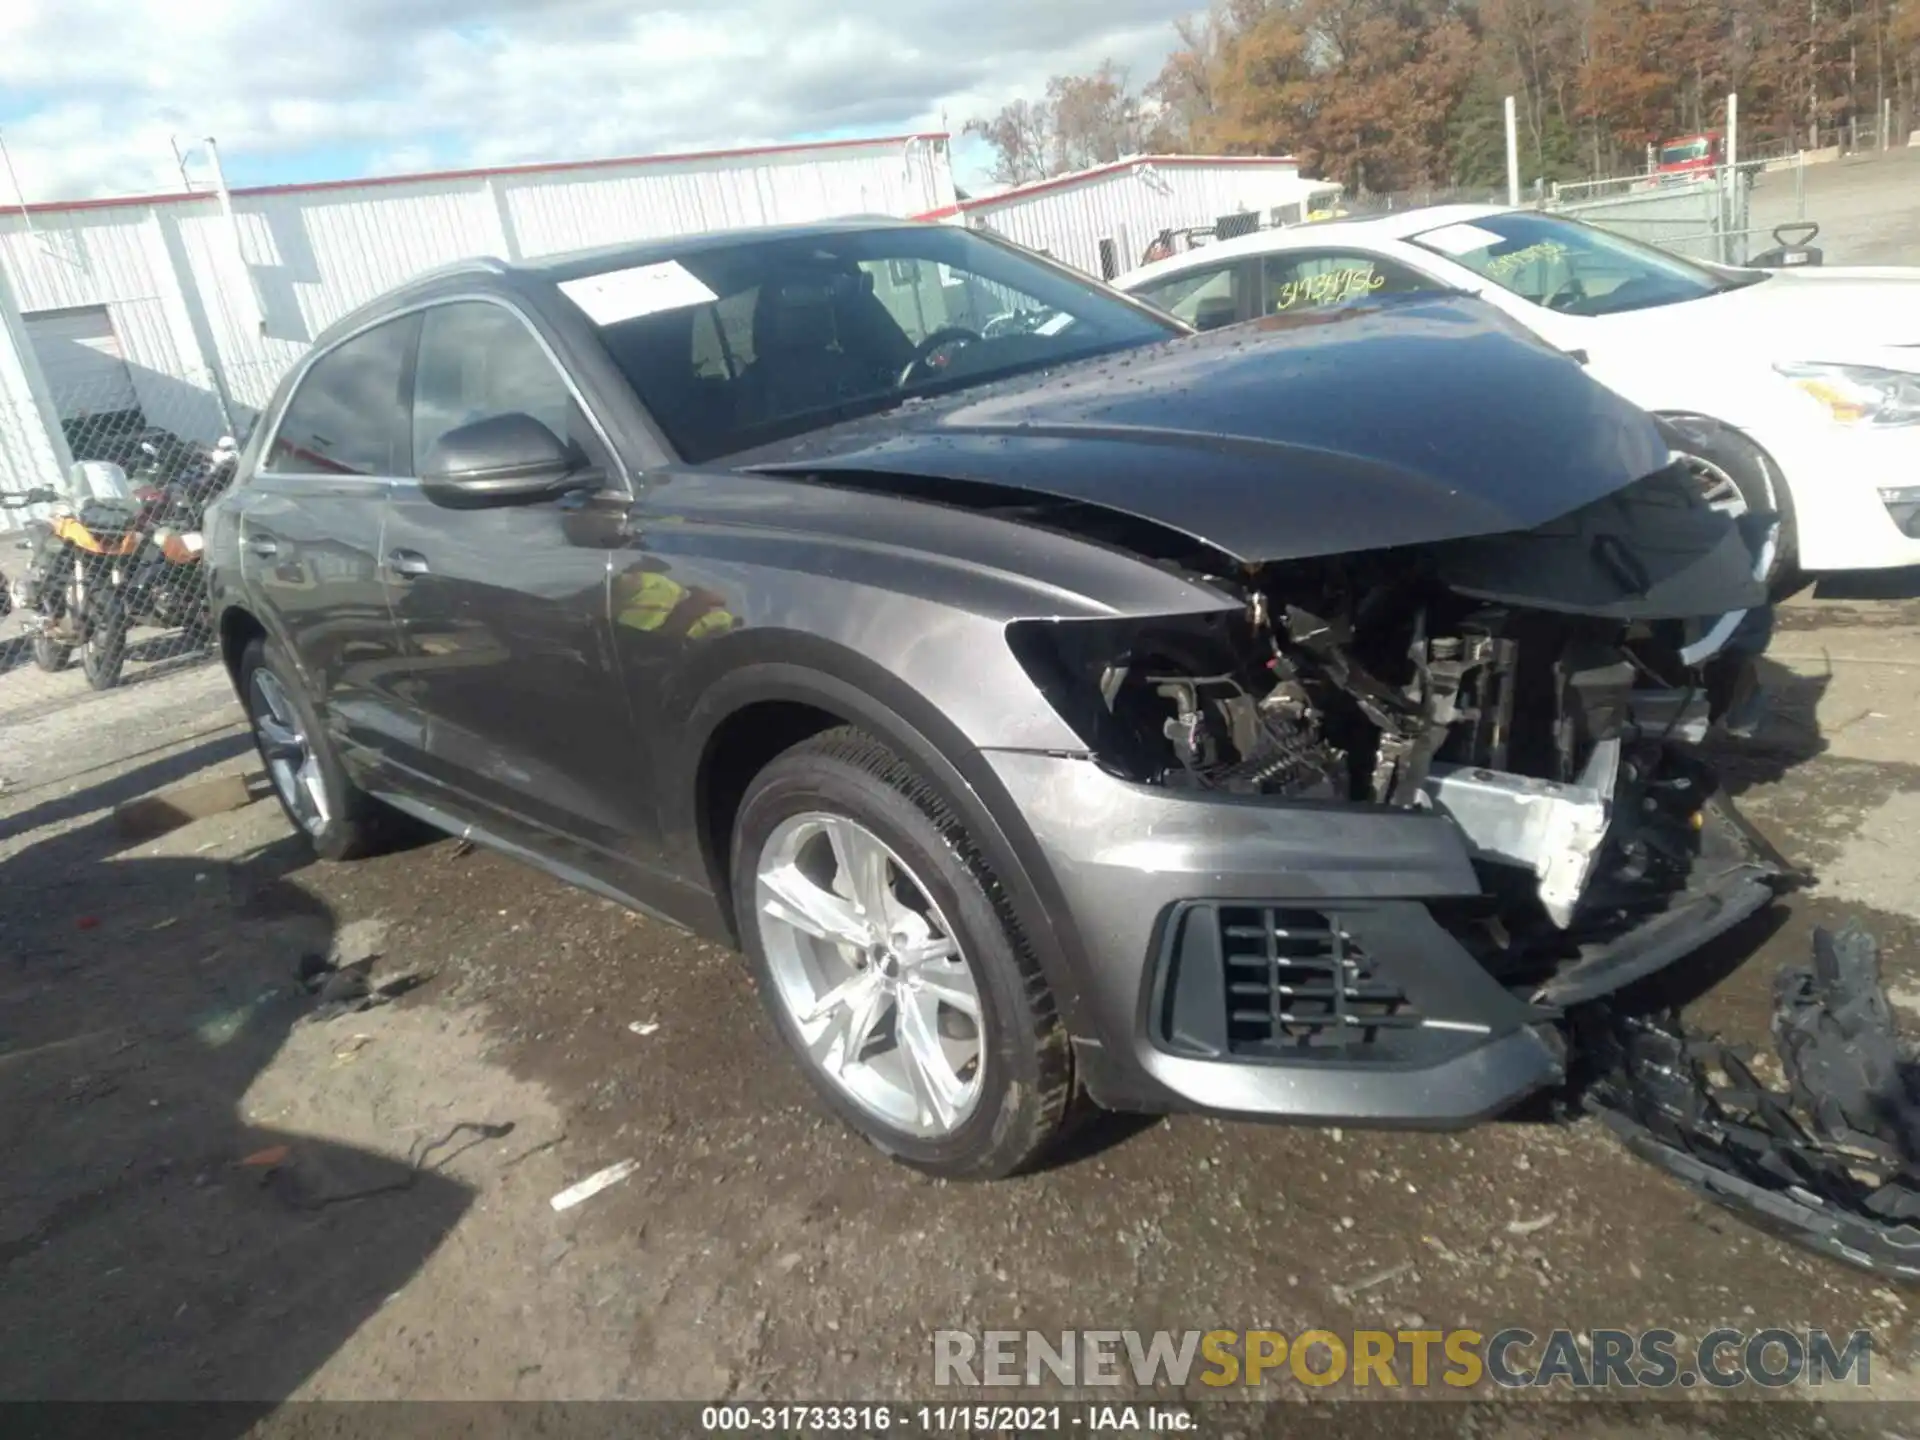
[1867, 207]
[208, 1193]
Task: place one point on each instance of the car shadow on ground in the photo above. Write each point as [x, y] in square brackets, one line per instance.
[155, 1242]
[128, 785]
[1787, 737]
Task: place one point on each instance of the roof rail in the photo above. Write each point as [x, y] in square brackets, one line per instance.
[470, 265]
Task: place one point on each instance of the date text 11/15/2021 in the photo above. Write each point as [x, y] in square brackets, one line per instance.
[959, 1419]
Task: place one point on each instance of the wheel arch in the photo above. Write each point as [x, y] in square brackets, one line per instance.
[761, 709]
[237, 628]
[1681, 419]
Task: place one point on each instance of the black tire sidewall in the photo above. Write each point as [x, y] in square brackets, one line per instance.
[103, 649]
[50, 655]
[345, 833]
[803, 781]
[1750, 469]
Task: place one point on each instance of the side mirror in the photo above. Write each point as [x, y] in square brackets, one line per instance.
[507, 459]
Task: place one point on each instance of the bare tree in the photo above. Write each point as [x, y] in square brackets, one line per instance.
[1096, 118]
[1022, 139]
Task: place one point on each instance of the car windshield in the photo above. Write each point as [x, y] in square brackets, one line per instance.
[734, 345]
[1685, 150]
[1574, 268]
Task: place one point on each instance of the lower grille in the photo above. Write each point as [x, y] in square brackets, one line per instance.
[1281, 984]
[1297, 980]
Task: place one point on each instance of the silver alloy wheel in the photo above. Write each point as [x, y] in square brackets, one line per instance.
[1722, 493]
[290, 756]
[870, 973]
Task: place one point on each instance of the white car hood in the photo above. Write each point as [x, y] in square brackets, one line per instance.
[1850, 315]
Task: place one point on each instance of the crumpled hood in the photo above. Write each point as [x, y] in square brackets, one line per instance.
[1406, 421]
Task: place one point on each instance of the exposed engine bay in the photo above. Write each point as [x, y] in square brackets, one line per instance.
[1532, 688]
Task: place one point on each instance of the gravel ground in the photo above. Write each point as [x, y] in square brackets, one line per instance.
[153, 1041]
[1867, 207]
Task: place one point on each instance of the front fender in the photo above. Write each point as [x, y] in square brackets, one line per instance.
[806, 670]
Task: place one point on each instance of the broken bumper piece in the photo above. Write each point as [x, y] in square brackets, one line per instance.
[1829, 1162]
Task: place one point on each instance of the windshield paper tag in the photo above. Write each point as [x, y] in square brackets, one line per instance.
[1459, 239]
[644, 290]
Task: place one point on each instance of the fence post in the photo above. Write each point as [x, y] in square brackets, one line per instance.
[1730, 207]
[1513, 156]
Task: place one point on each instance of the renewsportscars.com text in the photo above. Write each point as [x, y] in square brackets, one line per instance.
[1391, 1359]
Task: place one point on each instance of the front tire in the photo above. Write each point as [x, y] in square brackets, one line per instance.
[889, 964]
[1739, 477]
[103, 649]
[335, 816]
[49, 654]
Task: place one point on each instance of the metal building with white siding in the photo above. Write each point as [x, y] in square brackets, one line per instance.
[1102, 220]
[192, 315]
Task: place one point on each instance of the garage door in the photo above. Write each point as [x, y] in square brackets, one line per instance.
[80, 356]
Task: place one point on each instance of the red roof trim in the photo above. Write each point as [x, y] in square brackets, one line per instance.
[1061, 182]
[539, 167]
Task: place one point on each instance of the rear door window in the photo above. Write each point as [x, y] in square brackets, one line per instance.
[348, 416]
[1206, 298]
[1315, 280]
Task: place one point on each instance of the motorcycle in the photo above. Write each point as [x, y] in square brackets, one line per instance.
[169, 586]
[14, 500]
[73, 591]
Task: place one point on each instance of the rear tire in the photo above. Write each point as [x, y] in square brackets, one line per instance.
[338, 819]
[993, 1096]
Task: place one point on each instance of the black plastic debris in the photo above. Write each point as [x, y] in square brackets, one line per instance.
[1845, 1061]
[1830, 1161]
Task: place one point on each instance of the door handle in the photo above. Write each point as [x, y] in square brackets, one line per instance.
[263, 545]
[406, 564]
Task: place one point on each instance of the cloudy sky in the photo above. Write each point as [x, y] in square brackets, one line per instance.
[91, 90]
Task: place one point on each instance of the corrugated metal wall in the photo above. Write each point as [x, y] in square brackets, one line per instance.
[208, 327]
[1132, 206]
[118, 259]
[549, 214]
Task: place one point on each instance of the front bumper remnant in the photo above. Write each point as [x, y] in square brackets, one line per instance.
[1832, 1161]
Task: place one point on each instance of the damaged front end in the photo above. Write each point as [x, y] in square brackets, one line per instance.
[1544, 693]
[1540, 690]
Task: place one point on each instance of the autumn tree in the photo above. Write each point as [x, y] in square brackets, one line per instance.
[1388, 94]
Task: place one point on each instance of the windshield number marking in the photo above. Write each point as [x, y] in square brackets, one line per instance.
[1327, 288]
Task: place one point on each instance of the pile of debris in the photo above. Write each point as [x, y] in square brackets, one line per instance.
[1833, 1161]
[343, 982]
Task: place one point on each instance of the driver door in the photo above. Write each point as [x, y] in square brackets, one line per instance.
[503, 612]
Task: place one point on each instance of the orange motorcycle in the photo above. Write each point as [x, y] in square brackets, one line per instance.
[81, 562]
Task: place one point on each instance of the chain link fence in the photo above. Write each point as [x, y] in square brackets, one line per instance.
[103, 565]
